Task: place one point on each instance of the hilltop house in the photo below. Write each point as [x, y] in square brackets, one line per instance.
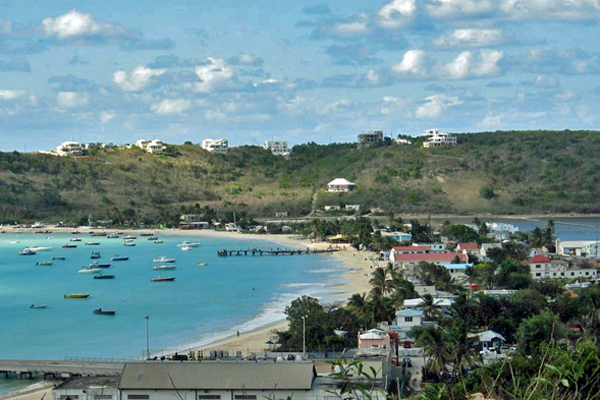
[215, 145]
[340, 185]
[435, 138]
[468, 248]
[277, 147]
[370, 137]
[542, 267]
[488, 340]
[154, 146]
[70, 149]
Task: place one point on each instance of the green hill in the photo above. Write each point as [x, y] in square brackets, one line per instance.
[492, 172]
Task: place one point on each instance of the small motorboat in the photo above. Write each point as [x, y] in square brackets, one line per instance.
[97, 234]
[102, 276]
[158, 241]
[95, 255]
[165, 267]
[166, 279]
[89, 270]
[59, 258]
[38, 306]
[75, 233]
[186, 248]
[119, 258]
[104, 312]
[188, 244]
[146, 234]
[102, 266]
[112, 236]
[130, 244]
[77, 296]
[92, 244]
[201, 264]
[75, 239]
[38, 249]
[27, 252]
[69, 246]
[43, 263]
[130, 237]
[153, 238]
[164, 259]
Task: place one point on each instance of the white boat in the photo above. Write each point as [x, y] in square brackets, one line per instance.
[186, 248]
[38, 249]
[128, 244]
[27, 252]
[92, 244]
[129, 237]
[75, 239]
[158, 241]
[89, 270]
[112, 236]
[201, 264]
[165, 267]
[164, 259]
[38, 306]
[186, 243]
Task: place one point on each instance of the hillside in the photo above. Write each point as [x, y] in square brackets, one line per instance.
[495, 172]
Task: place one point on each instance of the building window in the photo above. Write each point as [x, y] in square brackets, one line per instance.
[102, 397]
[572, 274]
[538, 274]
[138, 396]
[209, 396]
[245, 397]
[554, 274]
[407, 319]
[587, 273]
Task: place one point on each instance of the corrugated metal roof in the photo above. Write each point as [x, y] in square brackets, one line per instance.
[218, 375]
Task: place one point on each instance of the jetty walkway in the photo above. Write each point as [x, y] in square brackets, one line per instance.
[272, 252]
[57, 368]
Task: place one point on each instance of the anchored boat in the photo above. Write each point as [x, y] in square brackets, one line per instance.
[167, 279]
[164, 259]
[77, 296]
[104, 312]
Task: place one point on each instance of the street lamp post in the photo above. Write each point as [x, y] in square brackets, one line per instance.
[304, 337]
[147, 318]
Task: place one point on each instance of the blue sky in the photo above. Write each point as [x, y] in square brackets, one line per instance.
[298, 71]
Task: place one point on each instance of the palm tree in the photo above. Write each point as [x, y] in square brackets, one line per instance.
[429, 307]
[434, 342]
[360, 308]
[380, 280]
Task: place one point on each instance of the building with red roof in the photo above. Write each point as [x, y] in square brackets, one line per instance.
[406, 260]
[471, 247]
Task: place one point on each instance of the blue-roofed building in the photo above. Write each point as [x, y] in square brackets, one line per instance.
[457, 271]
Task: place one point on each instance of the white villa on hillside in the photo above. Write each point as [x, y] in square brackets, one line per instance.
[340, 185]
[153, 146]
[435, 138]
[277, 147]
[215, 145]
[70, 149]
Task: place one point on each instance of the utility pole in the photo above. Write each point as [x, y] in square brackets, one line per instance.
[147, 318]
[304, 337]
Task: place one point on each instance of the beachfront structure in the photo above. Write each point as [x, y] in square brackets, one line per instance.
[277, 147]
[410, 259]
[340, 185]
[370, 137]
[215, 145]
[407, 250]
[435, 138]
[88, 388]
[541, 267]
[193, 221]
[70, 149]
[398, 236]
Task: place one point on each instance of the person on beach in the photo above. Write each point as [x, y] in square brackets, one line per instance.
[238, 333]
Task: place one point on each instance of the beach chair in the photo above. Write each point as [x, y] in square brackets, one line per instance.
[225, 354]
[213, 354]
[238, 354]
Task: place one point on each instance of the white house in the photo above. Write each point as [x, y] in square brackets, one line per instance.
[340, 185]
[542, 267]
[215, 145]
[570, 247]
[370, 137]
[433, 247]
[443, 303]
[153, 146]
[458, 271]
[435, 138]
[277, 147]
[405, 320]
[88, 388]
[70, 149]
[398, 236]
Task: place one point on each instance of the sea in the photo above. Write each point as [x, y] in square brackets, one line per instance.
[202, 305]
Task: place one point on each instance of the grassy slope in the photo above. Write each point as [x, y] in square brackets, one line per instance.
[528, 171]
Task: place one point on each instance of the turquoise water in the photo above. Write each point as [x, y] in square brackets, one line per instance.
[203, 303]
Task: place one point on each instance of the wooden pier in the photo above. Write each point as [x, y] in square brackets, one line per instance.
[272, 252]
[58, 368]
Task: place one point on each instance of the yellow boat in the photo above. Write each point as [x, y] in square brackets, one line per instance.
[77, 296]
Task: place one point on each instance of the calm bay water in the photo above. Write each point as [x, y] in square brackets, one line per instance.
[203, 304]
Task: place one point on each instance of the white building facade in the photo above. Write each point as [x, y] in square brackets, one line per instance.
[70, 149]
[277, 147]
[215, 145]
[435, 138]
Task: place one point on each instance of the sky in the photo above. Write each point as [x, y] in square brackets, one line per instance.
[250, 71]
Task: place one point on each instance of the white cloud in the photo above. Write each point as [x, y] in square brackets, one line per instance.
[413, 62]
[451, 8]
[349, 29]
[396, 13]
[488, 63]
[435, 104]
[72, 99]
[544, 82]
[373, 77]
[11, 94]
[168, 106]
[138, 79]
[459, 68]
[551, 9]
[75, 24]
[390, 99]
[107, 116]
[566, 96]
[470, 38]
[213, 76]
